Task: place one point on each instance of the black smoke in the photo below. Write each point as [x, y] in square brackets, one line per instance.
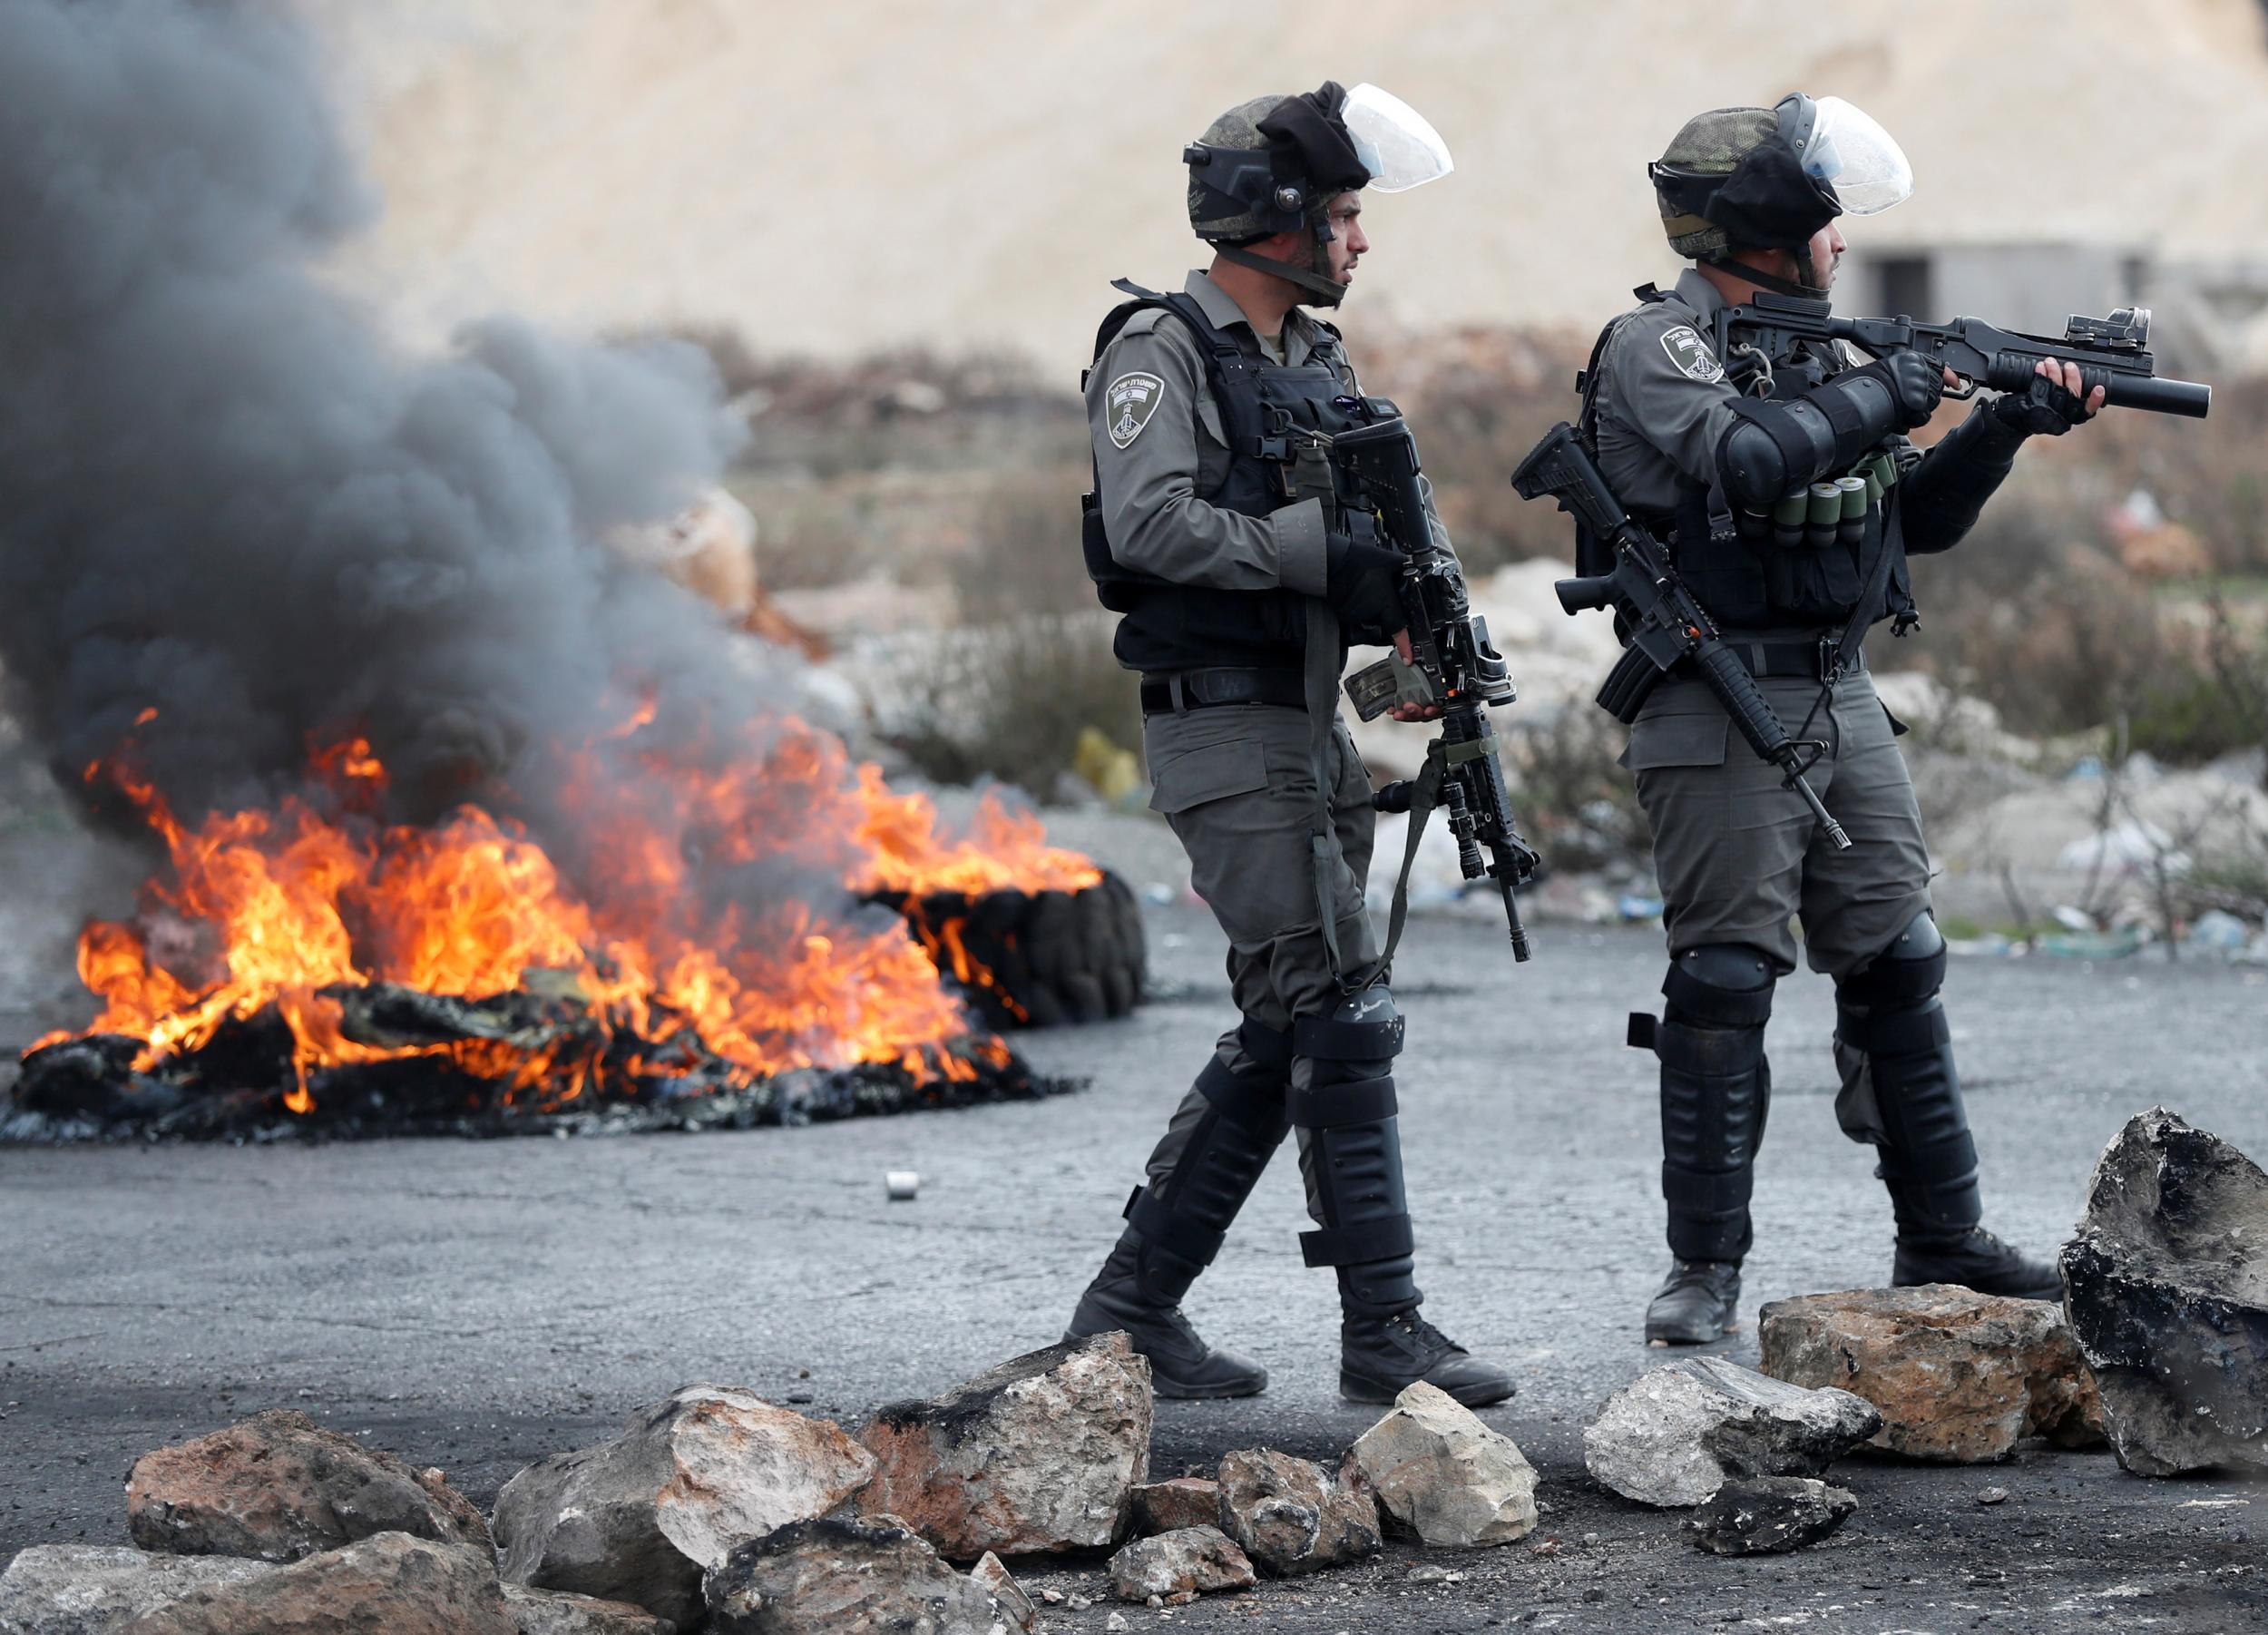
[224, 495]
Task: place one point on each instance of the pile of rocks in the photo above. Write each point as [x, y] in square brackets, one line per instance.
[1936, 1373]
[1430, 1471]
[719, 1511]
[279, 1524]
[2163, 1354]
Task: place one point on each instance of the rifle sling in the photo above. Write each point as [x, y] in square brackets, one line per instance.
[1878, 568]
[1321, 679]
[1423, 791]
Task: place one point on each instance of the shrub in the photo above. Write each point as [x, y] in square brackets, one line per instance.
[1570, 790]
[1023, 556]
[1009, 700]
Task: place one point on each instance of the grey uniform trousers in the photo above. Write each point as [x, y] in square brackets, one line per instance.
[1237, 782]
[1738, 854]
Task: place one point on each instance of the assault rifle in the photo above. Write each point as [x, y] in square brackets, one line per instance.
[1374, 468]
[2110, 351]
[1665, 625]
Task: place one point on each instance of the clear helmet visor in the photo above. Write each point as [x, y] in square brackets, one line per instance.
[1396, 145]
[1856, 157]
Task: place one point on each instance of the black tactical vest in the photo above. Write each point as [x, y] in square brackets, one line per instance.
[1166, 626]
[1736, 568]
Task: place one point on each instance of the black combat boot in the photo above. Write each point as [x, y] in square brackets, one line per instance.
[1901, 1092]
[1380, 1357]
[1175, 1224]
[1696, 1303]
[1181, 1364]
[1974, 1260]
[1715, 1092]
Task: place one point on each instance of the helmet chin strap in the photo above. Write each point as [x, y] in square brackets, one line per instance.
[1320, 292]
[1767, 281]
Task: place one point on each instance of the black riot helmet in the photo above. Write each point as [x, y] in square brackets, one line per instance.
[1770, 178]
[1273, 164]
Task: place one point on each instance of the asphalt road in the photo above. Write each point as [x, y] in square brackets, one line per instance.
[475, 1305]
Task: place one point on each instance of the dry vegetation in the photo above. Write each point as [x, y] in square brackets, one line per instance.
[2073, 610]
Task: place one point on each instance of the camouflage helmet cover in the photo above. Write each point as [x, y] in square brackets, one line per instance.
[1711, 144]
[1214, 215]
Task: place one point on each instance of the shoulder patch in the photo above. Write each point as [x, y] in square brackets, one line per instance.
[1692, 355]
[1129, 402]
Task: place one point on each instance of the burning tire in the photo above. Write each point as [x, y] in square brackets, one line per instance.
[1037, 959]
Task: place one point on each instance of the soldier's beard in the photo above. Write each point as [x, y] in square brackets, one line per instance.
[1315, 259]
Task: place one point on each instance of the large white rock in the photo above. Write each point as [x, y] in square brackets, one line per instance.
[1444, 1477]
[640, 1518]
[1675, 1435]
[1040, 1453]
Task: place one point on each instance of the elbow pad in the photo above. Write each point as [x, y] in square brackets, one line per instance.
[1779, 444]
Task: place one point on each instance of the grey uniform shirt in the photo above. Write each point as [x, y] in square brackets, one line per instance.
[1663, 400]
[1159, 440]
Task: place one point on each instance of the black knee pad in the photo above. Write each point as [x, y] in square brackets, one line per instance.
[1348, 1102]
[1710, 1038]
[1909, 970]
[1901, 1093]
[1890, 1007]
[1350, 1058]
[1721, 986]
[1365, 1027]
[1715, 1092]
[1350, 1107]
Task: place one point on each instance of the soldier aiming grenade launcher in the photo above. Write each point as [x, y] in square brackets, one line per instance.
[1374, 470]
[2109, 351]
[1665, 625]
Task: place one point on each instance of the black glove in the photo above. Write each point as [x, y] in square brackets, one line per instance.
[1363, 584]
[2046, 408]
[1915, 386]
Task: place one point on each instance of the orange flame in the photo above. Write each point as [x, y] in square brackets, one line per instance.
[290, 905]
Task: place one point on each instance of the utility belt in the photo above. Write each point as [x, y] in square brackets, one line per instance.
[1809, 658]
[1830, 512]
[1174, 692]
[1634, 676]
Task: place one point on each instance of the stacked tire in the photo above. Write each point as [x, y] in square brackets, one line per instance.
[1051, 957]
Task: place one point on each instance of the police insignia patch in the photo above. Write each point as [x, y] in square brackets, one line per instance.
[1129, 402]
[1692, 355]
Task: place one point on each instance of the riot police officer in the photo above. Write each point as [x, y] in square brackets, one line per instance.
[1704, 448]
[1213, 530]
